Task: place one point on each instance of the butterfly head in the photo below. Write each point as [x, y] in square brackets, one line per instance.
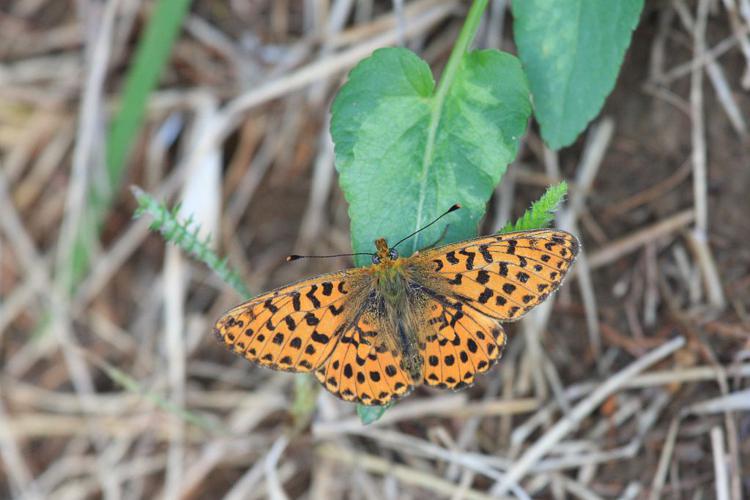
[384, 254]
[388, 255]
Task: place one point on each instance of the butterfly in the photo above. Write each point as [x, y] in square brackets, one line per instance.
[373, 334]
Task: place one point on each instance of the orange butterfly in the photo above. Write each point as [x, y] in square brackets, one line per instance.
[372, 334]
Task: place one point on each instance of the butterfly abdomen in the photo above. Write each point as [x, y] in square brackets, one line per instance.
[410, 351]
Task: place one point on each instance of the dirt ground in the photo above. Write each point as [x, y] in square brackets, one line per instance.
[117, 389]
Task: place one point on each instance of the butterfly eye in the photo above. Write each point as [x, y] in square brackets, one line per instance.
[393, 254]
[375, 259]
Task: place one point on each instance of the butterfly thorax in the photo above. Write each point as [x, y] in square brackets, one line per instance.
[388, 272]
[399, 308]
[390, 282]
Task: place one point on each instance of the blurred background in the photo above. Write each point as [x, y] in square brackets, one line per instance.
[111, 384]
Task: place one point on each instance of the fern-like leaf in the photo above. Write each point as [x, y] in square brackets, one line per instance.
[542, 212]
[184, 234]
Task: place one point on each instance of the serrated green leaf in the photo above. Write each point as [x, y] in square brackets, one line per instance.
[542, 211]
[184, 235]
[406, 153]
[572, 51]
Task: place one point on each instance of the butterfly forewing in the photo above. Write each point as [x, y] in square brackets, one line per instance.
[506, 275]
[292, 328]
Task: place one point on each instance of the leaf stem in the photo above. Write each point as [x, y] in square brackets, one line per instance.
[463, 41]
[465, 38]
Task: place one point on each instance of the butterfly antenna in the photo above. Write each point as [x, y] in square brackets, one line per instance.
[451, 209]
[290, 258]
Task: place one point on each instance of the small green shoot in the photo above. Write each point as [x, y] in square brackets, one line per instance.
[305, 393]
[542, 211]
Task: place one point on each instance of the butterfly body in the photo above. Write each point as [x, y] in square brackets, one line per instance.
[373, 334]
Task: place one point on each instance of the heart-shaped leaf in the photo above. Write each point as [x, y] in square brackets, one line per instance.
[407, 151]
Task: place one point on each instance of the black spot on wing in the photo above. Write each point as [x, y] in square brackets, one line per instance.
[335, 311]
[311, 295]
[485, 296]
[268, 304]
[503, 269]
[469, 258]
[486, 255]
[457, 280]
[482, 277]
[296, 304]
[290, 324]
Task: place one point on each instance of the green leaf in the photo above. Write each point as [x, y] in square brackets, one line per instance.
[572, 51]
[370, 414]
[407, 151]
[542, 211]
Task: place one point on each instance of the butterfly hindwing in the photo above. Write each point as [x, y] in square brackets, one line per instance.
[293, 328]
[359, 369]
[504, 276]
[464, 342]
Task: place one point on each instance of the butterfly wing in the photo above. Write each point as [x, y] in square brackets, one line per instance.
[361, 368]
[504, 276]
[296, 327]
[462, 342]
[476, 284]
[321, 324]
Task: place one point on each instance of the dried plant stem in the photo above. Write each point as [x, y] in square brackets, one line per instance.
[408, 475]
[580, 411]
[664, 460]
[720, 464]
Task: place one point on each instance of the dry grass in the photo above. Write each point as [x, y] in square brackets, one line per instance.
[634, 383]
